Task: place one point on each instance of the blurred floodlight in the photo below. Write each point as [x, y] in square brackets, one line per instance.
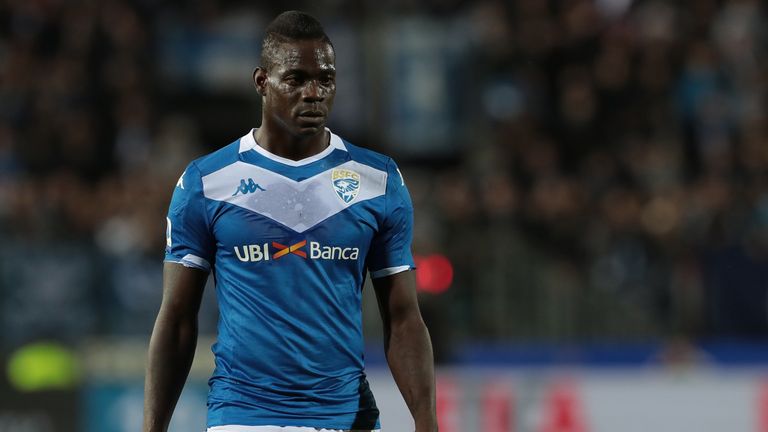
[434, 273]
[43, 366]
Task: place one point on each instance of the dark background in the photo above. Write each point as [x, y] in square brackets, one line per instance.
[595, 171]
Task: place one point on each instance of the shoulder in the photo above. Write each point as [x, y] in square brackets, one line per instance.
[369, 157]
[218, 159]
[207, 164]
[393, 182]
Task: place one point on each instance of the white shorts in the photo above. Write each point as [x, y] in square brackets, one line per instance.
[238, 428]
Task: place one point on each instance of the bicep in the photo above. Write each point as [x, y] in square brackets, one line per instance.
[390, 251]
[396, 295]
[189, 240]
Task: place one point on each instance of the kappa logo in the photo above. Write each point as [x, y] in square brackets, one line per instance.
[249, 187]
[180, 183]
[346, 183]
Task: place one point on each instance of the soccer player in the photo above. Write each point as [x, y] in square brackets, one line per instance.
[290, 218]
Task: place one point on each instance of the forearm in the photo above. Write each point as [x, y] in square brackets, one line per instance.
[171, 351]
[409, 354]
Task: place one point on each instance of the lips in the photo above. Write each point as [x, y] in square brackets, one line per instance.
[311, 118]
[311, 114]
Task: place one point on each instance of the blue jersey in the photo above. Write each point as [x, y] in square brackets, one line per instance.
[289, 244]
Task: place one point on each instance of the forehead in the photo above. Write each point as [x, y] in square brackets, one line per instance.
[305, 55]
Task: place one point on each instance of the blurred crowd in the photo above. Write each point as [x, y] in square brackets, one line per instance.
[608, 179]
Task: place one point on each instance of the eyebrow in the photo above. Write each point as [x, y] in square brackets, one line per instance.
[329, 70]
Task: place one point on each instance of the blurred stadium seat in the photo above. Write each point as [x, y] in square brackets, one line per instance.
[596, 172]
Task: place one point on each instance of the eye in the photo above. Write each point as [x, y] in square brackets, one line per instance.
[292, 80]
[327, 80]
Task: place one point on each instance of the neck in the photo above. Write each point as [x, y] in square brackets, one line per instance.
[289, 146]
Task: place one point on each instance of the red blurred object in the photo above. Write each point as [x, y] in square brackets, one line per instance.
[497, 404]
[447, 400]
[434, 273]
[564, 411]
[762, 407]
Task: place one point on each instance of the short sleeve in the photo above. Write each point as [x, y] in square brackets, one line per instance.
[188, 235]
[391, 246]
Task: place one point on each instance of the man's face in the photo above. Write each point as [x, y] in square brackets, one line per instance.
[299, 88]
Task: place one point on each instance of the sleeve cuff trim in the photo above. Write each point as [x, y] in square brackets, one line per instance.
[190, 260]
[389, 271]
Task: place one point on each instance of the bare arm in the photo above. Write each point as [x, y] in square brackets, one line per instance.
[172, 346]
[408, 347]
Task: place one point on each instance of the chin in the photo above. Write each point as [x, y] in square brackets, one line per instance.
[309, 131]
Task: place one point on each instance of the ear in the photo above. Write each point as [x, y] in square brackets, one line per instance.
[260, 80]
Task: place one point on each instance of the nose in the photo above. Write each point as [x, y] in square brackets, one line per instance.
[313, 92]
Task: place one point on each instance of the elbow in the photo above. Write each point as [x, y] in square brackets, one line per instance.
[407, 322]
[175, 328]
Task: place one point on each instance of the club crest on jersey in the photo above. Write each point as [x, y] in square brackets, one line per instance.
[346, 183]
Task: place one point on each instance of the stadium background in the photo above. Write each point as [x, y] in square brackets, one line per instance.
[592, 175]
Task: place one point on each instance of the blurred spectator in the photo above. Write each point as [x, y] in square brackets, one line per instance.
[594, 169]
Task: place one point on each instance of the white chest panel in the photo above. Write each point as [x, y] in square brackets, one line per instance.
[297, 205]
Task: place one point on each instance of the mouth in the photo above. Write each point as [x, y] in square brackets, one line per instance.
[311, 119]
[312, 114]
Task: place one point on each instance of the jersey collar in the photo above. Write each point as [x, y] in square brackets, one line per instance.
[248, 142]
